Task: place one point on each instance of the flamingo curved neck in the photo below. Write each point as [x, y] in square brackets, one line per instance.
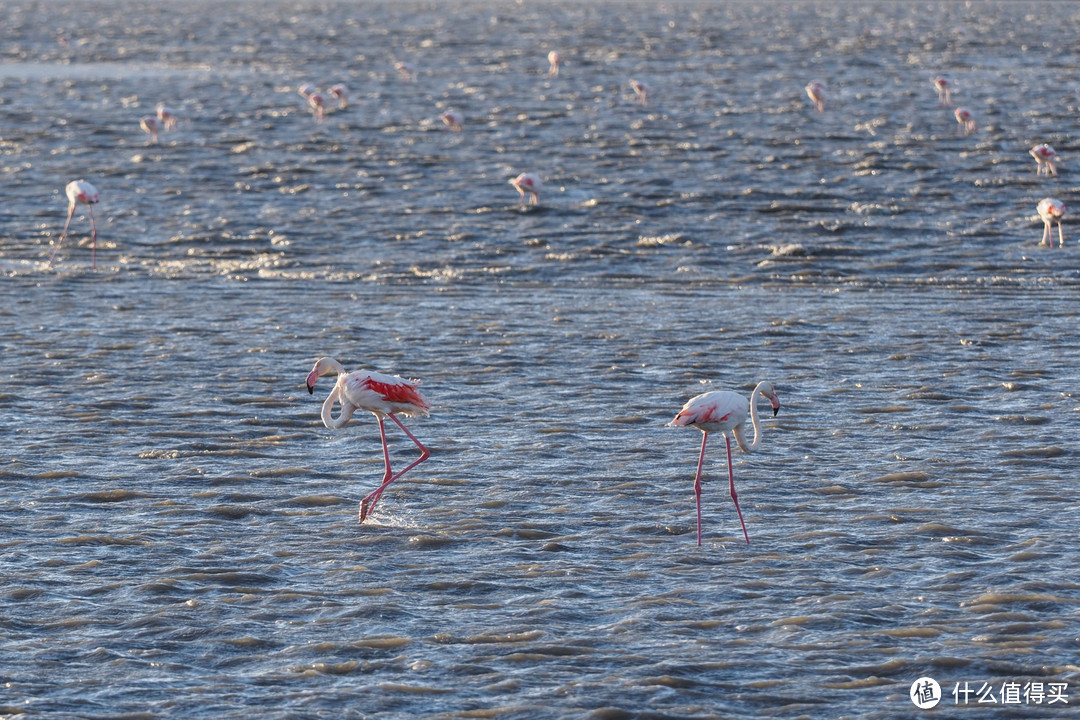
[347, 410]
[737, 432]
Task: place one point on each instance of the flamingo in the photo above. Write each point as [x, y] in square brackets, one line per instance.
[724, 411]
[641, 90]
[1045, 156]
[1051, 210]
[553, 60]
[150, 124]
[167, 116]
[315, 100]
[816, 92]
[381, 395]
[341, 93]
[943, 95]
[306, 90]
[527, 183]
[453, 119]
[407, 71]
[966, 120]
[80, 191]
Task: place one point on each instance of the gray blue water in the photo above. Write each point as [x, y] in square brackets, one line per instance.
[179, 532]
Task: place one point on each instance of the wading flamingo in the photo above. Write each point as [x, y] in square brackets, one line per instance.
[306, 90]
[80, 191]
[943, 90]
[641, 90]
[315, 100]
[553, 61]
[407, 71]
[1051, 210]
[453, 119]
[1045, 157]
[527, 183]
[167, 116]
[966, 120]
[341, 93]
[379, 394]
[150, 125]
[816, 92]
[725, 412]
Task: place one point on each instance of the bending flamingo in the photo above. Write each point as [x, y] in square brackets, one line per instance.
[966, 120]
[167, 116]
[341, 93]
[816, 92]
[725, 412]
[150, 124]
[1051, 210]
[453, 120]
[80, 191]
[528, 184]
[1045, 156]
[641, 90]
[383, 396]
[315, 100]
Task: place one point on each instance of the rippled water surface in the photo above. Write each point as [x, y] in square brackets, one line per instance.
[180, 534]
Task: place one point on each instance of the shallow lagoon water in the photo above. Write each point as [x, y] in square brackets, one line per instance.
[182, 537]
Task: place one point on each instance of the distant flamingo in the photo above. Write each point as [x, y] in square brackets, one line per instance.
[341, 93]
[725, 412]
[1051, 210]
[167, 116]
[383, 396]
[80, 191]
[150, 124]
[453, 119]
[943, 90]
[966, 120]
[1045, 156]
[553, 61]
[528, 184]
[315, 100]
[641, 90]
[816, 92]
[306, 90]
[407, 71]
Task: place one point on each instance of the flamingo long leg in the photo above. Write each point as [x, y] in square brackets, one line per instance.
[731, 481]
[63, 233]
[366, 508]
[1061, 235]
[93, 238]
[697, 483]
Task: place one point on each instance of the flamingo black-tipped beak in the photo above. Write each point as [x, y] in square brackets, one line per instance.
[311, 390]
[774, 410]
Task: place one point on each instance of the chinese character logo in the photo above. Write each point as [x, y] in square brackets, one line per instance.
[925, 693]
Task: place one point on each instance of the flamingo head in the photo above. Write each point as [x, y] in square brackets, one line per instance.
[766, 388]
[322, 367]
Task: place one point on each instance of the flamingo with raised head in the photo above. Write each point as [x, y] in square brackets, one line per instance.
[150, 125]
[528, 184]
[381, 395]
[725, 411]
[167, 116]
[1050, 210]
[966, 121]
[80, 191]
[1045, 159]
[944, 96]
[341, 93]
[641, 90]
[453, 120]
[816, 92]
[553, 64]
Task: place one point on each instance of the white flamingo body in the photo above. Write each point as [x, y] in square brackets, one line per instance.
[341, 93]
[80, 192]
[966, 120]
[816, 92]
[944, 94]
[167, 117]
[553, 63]
[528, 184]
[306, 90]
[641, 90]
[151, 125]
[380, 394]
[1045, 159]
[453, 120]
[725, 412]
[1051, 210]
